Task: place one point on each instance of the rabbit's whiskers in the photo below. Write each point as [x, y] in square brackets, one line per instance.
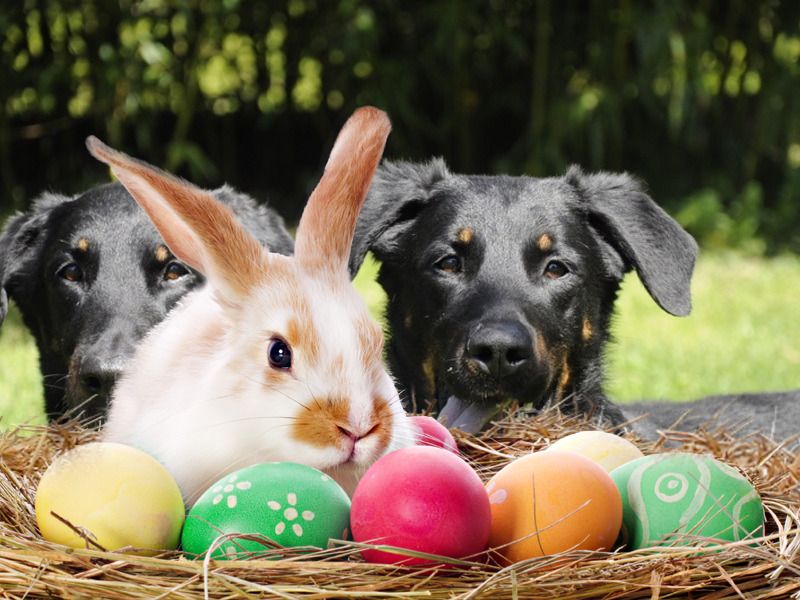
[313, 396]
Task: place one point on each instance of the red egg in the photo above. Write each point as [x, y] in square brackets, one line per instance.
[421, 498]
[434, 433]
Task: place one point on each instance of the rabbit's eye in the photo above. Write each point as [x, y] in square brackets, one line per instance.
[280, 355]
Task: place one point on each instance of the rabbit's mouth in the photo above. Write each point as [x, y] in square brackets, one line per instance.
[360, 449]
[351, 456]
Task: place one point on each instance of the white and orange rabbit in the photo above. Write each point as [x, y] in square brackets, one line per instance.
[276, 358]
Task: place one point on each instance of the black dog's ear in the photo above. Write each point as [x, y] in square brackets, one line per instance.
[8, 235]
[3, 303]
[20, 241]
[645, 236]
[399, 191]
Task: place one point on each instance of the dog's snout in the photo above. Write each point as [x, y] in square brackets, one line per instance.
[499, 348]
[97, 377]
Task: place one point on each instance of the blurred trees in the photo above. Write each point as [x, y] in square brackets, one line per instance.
[699, 98]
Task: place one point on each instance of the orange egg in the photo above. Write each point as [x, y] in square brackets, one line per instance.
[551, 502]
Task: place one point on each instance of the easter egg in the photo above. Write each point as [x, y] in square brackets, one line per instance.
[676, 498]
[117, 495]
[421, 498]
[433, 433]
[290, 503]
[608, 450]
[550, 502]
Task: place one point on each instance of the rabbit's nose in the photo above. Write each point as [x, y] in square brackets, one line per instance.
[347, 433]
[357, 433]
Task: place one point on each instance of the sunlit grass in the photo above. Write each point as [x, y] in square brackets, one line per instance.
[20, 383]
[365, 283]
[742, 336]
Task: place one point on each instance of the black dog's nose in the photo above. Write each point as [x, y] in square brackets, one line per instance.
[500, 348]
[97, 378]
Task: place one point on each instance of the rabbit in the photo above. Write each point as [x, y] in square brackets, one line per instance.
[277, 357]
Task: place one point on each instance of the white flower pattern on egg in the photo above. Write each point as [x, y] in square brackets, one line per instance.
[290, 513]
[293, 504]
[224, 491]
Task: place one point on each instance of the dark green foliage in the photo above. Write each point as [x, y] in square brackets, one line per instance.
[700, 99]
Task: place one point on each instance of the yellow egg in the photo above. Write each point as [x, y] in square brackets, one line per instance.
[608, 450]
[116, 495]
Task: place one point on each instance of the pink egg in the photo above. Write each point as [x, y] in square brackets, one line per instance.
[434, 433]
[421, 498]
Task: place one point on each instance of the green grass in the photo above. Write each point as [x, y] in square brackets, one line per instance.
[742, 336]
[21, 390]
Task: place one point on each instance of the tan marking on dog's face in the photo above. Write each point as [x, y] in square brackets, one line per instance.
[429, 373]
[544, 354]
[465, 235]
[566, 375]
[587, 332]
[564, 379]
[545, 242]
[82, 245]
[408, 320]
[162, 253]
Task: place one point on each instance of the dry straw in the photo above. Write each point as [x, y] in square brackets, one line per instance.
[33, 568]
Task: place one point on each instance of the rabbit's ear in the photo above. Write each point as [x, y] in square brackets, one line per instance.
[199, 230]
[326, 228]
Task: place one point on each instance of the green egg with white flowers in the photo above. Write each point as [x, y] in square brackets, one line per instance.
[686, 500]
[289, 503]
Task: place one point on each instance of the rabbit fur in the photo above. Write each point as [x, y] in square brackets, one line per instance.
[203, 393]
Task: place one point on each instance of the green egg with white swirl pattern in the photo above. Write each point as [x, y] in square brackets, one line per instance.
[289, 503]
[683, 499]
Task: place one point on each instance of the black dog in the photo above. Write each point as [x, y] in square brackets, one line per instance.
[501, 288]
[91, 276]
[775, 415]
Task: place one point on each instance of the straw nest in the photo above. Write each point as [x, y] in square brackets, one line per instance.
[33, 568]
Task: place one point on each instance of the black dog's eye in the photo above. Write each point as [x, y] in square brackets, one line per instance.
[71, 272]
[449, 264]
[555, 269]
[280, 355]
[175, 270]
